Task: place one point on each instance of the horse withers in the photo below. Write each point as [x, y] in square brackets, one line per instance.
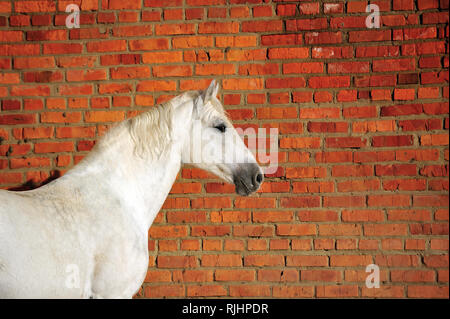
[85, 234]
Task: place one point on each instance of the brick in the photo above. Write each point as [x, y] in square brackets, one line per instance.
[306, 67]
[339, 230]
[272, 216]
[296, 230]
[53, 147]
[278, 275]
[164, 290]
[118, 5]
[162, 57]
[169, 71]
[35, 6]
[30, 90]
[306, 24]
[104, 116]
[435, 139]
[358, 185]
[378, 51]
[419, 33]
[427, 292]
[188, 42]
[254, 202]
[242, 84]
[307, 261]
[345, 142]
[29, 162]
[150, 86]
[262, 26]
[169, 3]
[360, 112]
[331, 52]
[218, 27]
[323, 37]
[344, 201]
[350, 260]
[305, 172]
[50, 35]
[167, 231]
[88, 75]
[34, 62]
[396, 170]
[206, 290]
[405, 184]
[300, 201]
[281, 39]
[312, 187]
[293, 291]
[36, 133]
[383, 292]
[348, 67]
[332, 127]
[279, 83]
[391, 141]
[430, 200]
[329, 82]
[389, 200]
[234, 275]
[211, 202]
[375, 81]
[309, 8]
[174, 29]
[177, 261]
[173, 14]
[369, 36]
[288, 53]
[283, 10]
[228, 260]
[330, 8]
[393, 65]
[321, 275]
[419, 125]
[320, 113]
[249, 291]
[355, 171]
[33, 104]
[385, 230]
[434, 17]
[235, 41]
[404, 94]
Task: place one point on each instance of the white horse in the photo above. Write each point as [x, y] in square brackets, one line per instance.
[84, 235]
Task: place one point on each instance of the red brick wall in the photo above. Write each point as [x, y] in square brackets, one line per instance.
[362, 116]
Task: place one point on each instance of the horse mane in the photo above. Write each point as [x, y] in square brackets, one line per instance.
[151, 130]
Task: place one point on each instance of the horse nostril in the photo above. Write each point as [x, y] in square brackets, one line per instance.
[259, 178]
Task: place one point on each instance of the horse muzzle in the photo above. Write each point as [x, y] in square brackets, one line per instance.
[247, 179]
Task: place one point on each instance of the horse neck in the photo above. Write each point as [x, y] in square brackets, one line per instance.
[140, 185]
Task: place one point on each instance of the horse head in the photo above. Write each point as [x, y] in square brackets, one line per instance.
[213, 144]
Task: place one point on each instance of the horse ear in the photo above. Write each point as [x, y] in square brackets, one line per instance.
[216, 88]
[211, 91]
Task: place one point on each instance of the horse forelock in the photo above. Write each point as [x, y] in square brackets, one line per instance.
[213, 109]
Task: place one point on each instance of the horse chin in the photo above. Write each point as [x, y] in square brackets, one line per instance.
[242, 191]
[247, 179]
[241, 187]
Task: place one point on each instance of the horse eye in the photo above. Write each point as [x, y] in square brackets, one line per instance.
[221, 127]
